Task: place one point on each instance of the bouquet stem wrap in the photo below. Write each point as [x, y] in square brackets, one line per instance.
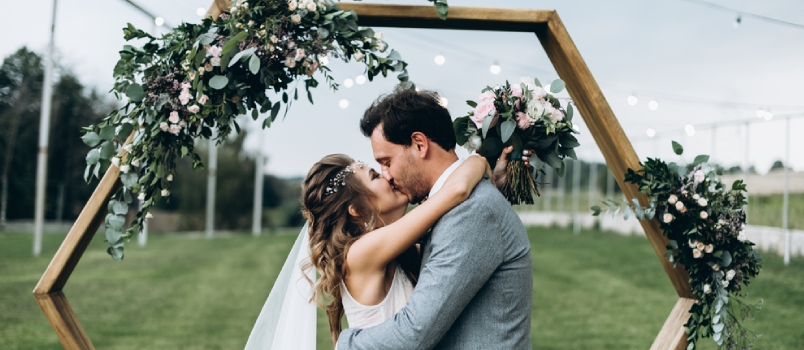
[520, 184]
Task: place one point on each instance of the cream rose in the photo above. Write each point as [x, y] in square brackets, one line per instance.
[141, 196]
[116, 161]
[165, 193]
[359, 56]
[702, 202]
[704, 215]
[149, 215]
[730, 274]
[296, 19]
[667, 218]
[707, 289]
[292, 4]
[709, 248]
[679, 206]
[672, 199]
[170, 177]
[700, 246]
[697, 253]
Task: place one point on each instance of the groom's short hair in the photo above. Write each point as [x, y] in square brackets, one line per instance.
[406, 111]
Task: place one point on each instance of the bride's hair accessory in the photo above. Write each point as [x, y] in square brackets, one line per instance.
[338, 180]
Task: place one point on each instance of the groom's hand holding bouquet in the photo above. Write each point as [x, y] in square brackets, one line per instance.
[528, 118]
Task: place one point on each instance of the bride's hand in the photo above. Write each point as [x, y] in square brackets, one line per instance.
[461, 182]
[502, 164]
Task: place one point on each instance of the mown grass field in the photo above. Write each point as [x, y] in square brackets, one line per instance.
[595, 290]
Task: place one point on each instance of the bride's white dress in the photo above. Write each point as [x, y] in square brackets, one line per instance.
[364, 316]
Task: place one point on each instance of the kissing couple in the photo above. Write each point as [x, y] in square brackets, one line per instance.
[455, 272]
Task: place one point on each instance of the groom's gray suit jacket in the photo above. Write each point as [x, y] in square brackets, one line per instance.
[475, 288]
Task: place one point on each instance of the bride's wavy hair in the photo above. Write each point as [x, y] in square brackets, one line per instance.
[332, 230]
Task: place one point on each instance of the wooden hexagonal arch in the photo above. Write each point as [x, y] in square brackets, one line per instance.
[569, 64]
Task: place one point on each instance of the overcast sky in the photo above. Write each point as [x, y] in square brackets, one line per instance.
[689, 58]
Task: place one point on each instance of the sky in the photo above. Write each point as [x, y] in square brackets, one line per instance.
[689, 58]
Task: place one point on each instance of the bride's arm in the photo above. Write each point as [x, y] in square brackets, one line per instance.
[376, 249]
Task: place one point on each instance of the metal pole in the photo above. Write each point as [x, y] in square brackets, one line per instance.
[610, 184]
[576, 194]
[44, 132]
[592, 183]
[561, 193]
[786, 201]
[745, 168]
[212, 172]
[547, 192]
[256, 216]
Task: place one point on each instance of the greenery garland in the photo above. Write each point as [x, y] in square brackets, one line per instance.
[704, 221]
[200, 77]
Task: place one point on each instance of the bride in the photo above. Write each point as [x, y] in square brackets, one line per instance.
[363, 246]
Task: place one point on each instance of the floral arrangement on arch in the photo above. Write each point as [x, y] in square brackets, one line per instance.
[704, 222]
[200, 77]
[528, 117]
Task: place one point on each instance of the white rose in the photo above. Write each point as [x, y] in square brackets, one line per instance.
[296, 19]
[116, 161]
[128, 147]
[709, 248]
[141, 196]
[730, 274]
[125, 168]
[201, 70]
[378, 35]
[741, 237]
[203, 100]
[174, 117]
[274, 39]
[704, 215]
[311, 6]
[679, 206]
[716, 267]
[149, 216]
[534, 110]
[667, 218]
[707, 289]
[164, 126]
[697, 253]
[696, 196]
[239, 25]
[215, 61]
[165, 193]
[170, 177]
[692, 243]
[672, 199]
[702, 202]
[135, 162]
[698, 176]
[474, 143]
[250, 23]
[725, 283]
[700, 246]
[175, 129]
[194, 109]
[359, 56]
[292, 4]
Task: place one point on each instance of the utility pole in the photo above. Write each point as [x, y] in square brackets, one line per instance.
[44, 132]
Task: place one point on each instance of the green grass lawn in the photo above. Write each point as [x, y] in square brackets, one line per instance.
[592, 291]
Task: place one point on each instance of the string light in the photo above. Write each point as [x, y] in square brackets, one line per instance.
[689, 129]
[360, 79]
[201, 11]
[651, 133]
[495, 68]
[439, 59]
[653, 105]
[632, 100]
[343, 103]
[348, 82]
[443, 102]
[764, 114]
[159, 21]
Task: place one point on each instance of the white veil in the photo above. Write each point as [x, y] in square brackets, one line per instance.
[288, 319]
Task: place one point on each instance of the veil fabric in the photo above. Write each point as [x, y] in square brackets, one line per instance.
[288, 318]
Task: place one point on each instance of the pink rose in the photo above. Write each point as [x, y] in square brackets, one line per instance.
[174, 117]
[203, 100]
[516, 91]
[175, 129]
[487, 96]
[556, 115]
[538, 93]
[482, 111]
[522, 120]
[214, 51]
[313, 67]
[186, 85]
[193, 109]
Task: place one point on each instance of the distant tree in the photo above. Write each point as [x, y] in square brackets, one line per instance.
[777, 165]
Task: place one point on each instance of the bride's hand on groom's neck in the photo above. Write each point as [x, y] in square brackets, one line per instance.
[500, 169]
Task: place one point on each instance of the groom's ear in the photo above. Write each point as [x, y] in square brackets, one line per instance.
[421, 142]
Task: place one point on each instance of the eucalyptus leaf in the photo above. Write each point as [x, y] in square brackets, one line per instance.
[93, 156]
[240, 55]
[570, 112]
[557, 86]
[218, 82]
[486, 123]
[129, 179]
[537, 82]
[507, 129]
[700, 159]
[232, 43]
[107, 150]
[91, 139]
[677, 148]
[135, 92]
[120, 208]
[254, 64]
[107, 132]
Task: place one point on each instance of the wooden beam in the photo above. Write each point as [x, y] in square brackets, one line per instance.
[672, 336]
[62, 318]
[606, 130]
[468, 18]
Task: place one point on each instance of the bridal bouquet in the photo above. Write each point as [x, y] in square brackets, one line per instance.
[704, 221]
[528, 117]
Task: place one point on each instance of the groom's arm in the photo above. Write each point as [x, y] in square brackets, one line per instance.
[465, 252]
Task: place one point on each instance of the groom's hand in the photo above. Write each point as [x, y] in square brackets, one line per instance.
[502, 164]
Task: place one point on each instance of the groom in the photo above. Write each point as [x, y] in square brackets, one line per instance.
[476, 282]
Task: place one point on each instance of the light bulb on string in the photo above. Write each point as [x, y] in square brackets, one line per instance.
[653, 105]
[768, 115]
[348, 82]
[343, 103]
[439, 59]
[443, 102]
[360, 79]
[159, 21]
[651, 133]
[632, 100]
[495, 68]
[689, 129]
[201, 11]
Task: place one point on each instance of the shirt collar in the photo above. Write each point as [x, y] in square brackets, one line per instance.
[443, 178]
